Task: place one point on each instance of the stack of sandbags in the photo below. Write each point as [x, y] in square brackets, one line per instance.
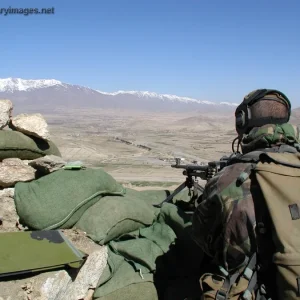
[23, 138]
[26, 153]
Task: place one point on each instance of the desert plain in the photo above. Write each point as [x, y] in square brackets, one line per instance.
[138, 148]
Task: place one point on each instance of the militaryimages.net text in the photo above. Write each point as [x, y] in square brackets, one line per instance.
[26, 11]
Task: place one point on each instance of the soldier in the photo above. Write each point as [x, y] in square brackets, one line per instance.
[226, 220]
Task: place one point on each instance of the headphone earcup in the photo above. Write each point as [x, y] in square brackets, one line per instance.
[240, 119]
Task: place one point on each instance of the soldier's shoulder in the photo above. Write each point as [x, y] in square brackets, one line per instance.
[229, 174]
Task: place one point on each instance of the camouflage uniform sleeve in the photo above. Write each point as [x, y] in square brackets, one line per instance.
[224, 221]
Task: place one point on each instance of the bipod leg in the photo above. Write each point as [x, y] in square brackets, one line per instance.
[170, 197]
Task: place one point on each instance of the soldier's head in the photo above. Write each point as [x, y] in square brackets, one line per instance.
[261, 107]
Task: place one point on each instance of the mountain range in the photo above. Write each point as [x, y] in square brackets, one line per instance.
[49, 94]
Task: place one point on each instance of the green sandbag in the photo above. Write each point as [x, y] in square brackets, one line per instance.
[137, 256]
[146, 290]
[114, 216]
[135, 259]
[173, 216]
[15, 144]
[152, 196]
[59, 199]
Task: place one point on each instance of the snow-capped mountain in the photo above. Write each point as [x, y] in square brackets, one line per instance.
[18, 84]
[165, 97]
[54, 93]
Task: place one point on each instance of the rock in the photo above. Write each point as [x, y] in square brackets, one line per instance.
[55, 286]
[89, 295]
[79, 239]
[8, 214]
[13, 161]
[13, 170]
[6, 107]
[47, 164]
[88, 276]
[8, 192]
[61, 287]
[31, 124]
[29, 287]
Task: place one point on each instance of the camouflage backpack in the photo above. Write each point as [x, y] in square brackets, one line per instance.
[276, 264]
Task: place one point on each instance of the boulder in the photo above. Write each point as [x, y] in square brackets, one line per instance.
[6, 107]
[13, 170]
[55, 286]
[88, 276]
[8, 192]
[47, 164]
[8, 214]
[31, 124]
[60, 286]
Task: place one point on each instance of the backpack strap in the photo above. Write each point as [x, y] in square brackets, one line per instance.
[249, 273]
[251, 157]
[254, 156]
[223, 292]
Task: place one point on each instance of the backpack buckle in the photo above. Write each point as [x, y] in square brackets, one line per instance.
[221, 295]
[248, 273]
[247, 295]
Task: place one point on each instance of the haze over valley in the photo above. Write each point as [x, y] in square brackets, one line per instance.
[132, 135]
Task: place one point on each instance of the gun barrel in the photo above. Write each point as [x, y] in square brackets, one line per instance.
[190, 167]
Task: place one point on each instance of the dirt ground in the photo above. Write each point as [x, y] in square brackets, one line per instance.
[135, 147]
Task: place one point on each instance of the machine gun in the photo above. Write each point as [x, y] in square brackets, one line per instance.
[192, 172]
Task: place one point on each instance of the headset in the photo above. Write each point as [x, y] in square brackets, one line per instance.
[243, 117]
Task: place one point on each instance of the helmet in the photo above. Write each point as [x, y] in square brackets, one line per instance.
[245, 120]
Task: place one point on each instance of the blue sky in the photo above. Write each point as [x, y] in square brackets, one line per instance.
[211, 50]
